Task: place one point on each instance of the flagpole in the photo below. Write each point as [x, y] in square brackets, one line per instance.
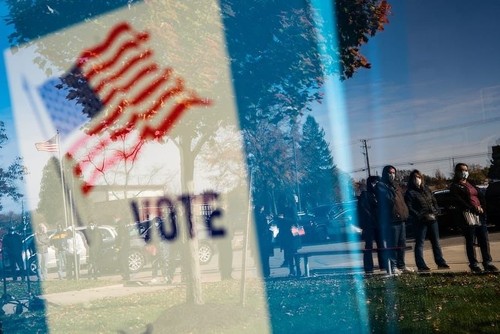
[62, 180]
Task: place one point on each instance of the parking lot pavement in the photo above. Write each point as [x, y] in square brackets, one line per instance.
[453, 250]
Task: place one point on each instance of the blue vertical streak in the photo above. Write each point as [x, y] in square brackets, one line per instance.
[335, 101]
[376, 93]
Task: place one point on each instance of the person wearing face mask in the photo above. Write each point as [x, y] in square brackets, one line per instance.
[392, 215]
[422, 206]
[470, 203]
[367, 212]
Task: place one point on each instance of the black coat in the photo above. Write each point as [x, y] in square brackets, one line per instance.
[421, 203]
[462, 200]
[287, 240]
[367, 210]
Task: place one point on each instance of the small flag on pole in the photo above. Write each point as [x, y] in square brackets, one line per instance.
[48, 146]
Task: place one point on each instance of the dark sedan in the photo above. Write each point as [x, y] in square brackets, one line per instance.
[333, 222]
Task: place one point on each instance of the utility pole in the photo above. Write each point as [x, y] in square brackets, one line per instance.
[365, 148]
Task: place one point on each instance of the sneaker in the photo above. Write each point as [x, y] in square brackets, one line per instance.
[443, 266]
[154, 280]
[396, 272]
[424, 270]
[407, 270]
[476, 269]
[490, 268]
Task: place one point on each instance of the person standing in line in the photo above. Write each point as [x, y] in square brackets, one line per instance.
[392, 215]
[470, 204]
[12, 244]
[123, 246]
[423, 209]
[42, 247]
[290, 243]
[367, 212]
[94, 240]
[74, 249]
[58, 240]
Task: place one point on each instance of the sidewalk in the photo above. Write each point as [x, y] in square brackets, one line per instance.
[453, 250]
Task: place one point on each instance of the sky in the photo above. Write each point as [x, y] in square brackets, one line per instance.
[431, 98]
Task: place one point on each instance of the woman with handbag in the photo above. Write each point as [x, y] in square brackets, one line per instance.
[290, 240]
[422, 206]
[469, 202]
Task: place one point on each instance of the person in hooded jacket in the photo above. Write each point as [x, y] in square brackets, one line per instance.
[367, 211]
[392, 215]
[423, 209]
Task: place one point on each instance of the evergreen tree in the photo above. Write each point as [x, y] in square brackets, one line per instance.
[10, 175]
[320, 175]
[51, 200]
[51, 196]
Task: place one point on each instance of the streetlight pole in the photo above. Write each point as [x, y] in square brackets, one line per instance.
[296, 175]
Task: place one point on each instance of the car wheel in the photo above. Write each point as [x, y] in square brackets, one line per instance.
[205, 253]
[136, 261]
[33, 265]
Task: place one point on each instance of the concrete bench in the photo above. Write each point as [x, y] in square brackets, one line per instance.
[306, 255]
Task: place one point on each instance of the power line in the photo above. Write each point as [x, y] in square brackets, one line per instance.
[415, 133]
[416, 162]
[443, 128]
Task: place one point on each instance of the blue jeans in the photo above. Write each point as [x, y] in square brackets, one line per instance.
[42, 266]
[61, 263]
[397, 238]
[421, 229]
[394, 235]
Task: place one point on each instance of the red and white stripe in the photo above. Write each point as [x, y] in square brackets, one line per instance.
[48, 146]
[142, 101]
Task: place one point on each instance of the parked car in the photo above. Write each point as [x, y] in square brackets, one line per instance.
[338, 223]
[446, 213]
[140, 256]
[332, 222]
[108, 258]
